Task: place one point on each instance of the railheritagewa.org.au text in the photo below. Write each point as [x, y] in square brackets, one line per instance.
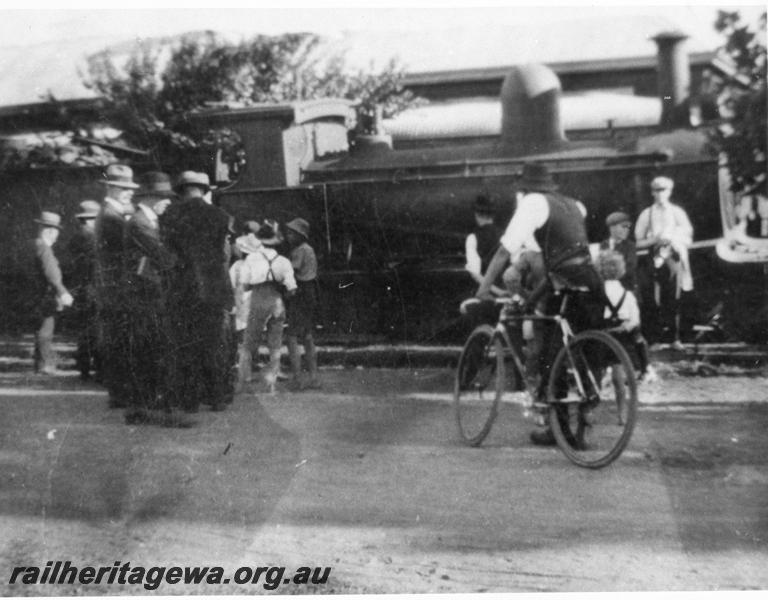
[150, 578]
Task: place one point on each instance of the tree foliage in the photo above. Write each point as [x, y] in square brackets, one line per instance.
[150, 95]
[742, 137]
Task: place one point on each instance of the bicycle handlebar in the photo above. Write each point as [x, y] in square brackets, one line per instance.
[526, 306]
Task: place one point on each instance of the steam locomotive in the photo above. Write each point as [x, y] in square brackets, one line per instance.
[389, 214]
[389, 224]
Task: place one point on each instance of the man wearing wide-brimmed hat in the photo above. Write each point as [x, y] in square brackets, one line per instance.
[481, 244]
[111, 224]
[302, 307]
[80, 275]
[200, 297]
[147, 263]
[50, 294]
[146, 257]
[552, 223]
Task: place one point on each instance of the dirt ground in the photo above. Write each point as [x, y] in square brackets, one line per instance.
[367, 477]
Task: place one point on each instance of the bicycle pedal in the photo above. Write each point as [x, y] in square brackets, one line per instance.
[536, 417]
[569, 400]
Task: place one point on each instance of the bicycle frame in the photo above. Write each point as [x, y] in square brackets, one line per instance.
[566, 332]
[591, 424]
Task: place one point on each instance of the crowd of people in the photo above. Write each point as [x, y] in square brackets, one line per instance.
[171, 302]
[546, 238]
[174, 302]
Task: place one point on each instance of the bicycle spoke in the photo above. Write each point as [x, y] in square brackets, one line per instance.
[594, 420]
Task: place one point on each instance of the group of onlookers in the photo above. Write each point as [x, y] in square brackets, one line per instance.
[268, 287]
[546, 240]
[662, 231]
[174, 304]
[171, 310]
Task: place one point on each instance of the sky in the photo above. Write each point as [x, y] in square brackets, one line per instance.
[38, 23]
[43, 49]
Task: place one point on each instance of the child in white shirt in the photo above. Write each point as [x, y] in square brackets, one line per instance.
[268, 276]
[622, 313]
[245, 244]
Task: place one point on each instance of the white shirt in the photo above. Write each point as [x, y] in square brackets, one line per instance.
[474, 262]
[629, 311]
[665, 221]
[151, 215]
[118, 206]
[256, 268]
[531, 214]
[242, 297]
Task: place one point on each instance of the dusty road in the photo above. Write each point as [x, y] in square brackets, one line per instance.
[366, 477]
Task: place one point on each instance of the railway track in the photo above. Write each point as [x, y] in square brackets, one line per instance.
[15, 353]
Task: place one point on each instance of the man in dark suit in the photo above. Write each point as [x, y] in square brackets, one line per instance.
[80, 276]
[146, 262]
[199, 295]
[50, 295]
[111, 224]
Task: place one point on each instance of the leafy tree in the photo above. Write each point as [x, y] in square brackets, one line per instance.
[150, 95]
[742, 136]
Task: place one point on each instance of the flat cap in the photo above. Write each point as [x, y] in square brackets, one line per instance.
[617, 217]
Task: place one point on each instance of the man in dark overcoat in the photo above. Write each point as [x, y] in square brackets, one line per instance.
[111, 224]
[146, 262]
[199, 295]
[49, 293]
[80, 275]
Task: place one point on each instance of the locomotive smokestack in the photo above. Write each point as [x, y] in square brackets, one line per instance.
[530, 118]
[674, 78]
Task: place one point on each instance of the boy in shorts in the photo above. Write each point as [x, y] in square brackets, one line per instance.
[302, 307]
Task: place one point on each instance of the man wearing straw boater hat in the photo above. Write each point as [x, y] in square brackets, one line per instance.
[554, 223]
[50, 294]
[147, 263]
[200, 297]
[111, 224]
[81, 275]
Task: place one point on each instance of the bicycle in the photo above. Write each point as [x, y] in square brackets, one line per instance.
[591, 398]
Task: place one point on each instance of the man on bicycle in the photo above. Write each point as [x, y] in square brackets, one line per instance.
[555, 223]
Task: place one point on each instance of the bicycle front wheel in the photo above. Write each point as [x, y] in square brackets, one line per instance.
[593, 396]
[479, 384]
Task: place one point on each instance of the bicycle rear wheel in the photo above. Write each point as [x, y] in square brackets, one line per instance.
[592, 422]
[479, 384]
